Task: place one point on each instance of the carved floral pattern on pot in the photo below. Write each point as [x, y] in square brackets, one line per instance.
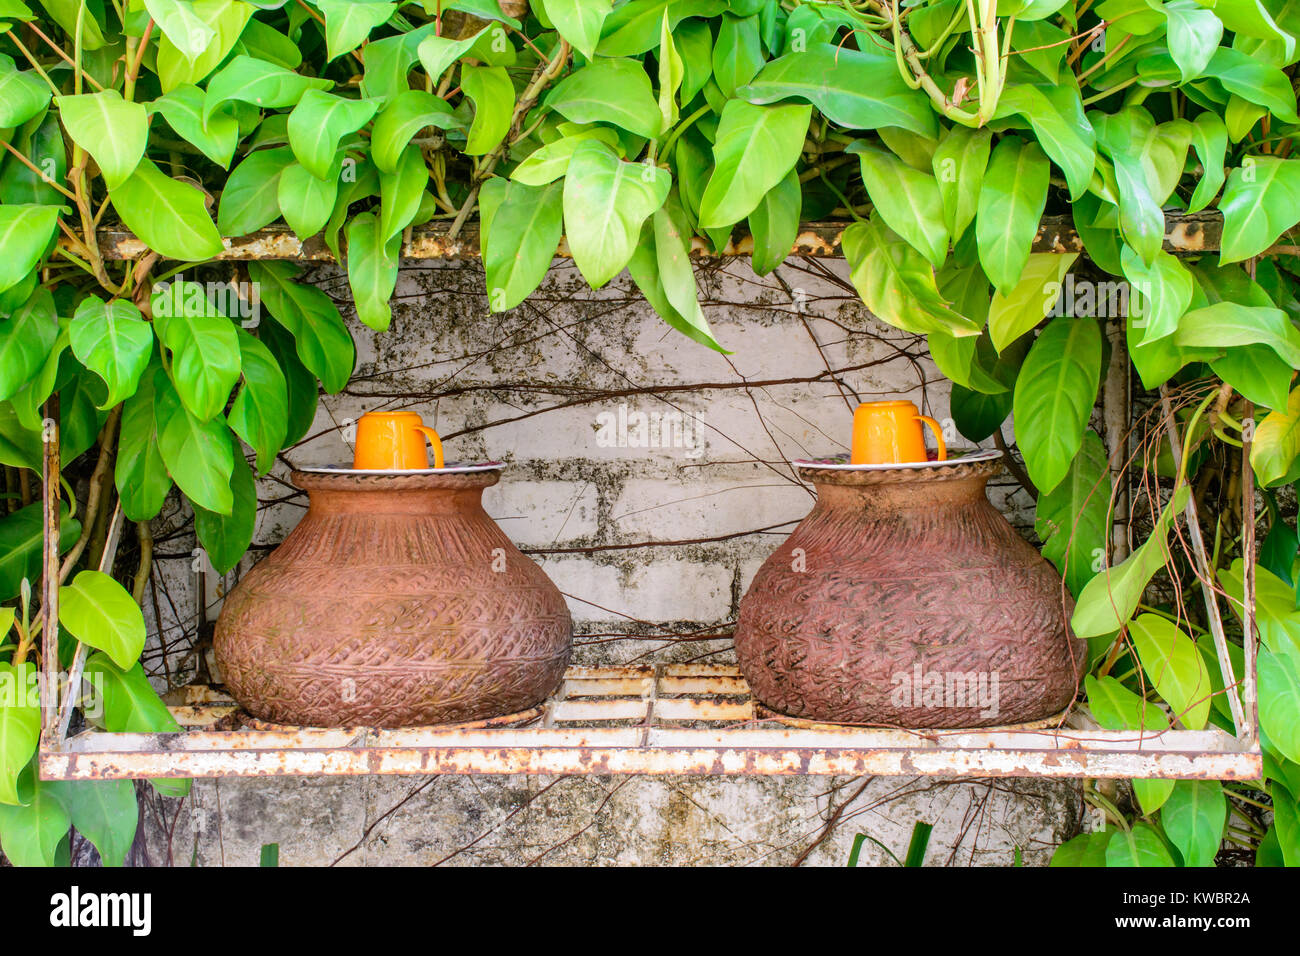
[396, 601]
[905, 599]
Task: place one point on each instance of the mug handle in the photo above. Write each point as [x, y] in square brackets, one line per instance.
[938, 435]
[435, 441]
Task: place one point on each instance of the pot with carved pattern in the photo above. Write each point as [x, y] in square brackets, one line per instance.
[396, 601]
[906, 599]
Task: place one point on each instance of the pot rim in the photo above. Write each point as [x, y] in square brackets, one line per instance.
[957, 470]
[420, 481]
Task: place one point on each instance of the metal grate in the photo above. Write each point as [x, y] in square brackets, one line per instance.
[671, 719]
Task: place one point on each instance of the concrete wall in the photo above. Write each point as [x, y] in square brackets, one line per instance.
[652, 546]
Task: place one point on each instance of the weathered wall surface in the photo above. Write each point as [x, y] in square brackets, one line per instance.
[653, 533]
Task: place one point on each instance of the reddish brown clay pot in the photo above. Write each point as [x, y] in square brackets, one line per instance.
[395, 602]
[905, 599]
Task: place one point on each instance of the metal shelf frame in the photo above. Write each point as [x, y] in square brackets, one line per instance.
[673, 719]
[666, 719]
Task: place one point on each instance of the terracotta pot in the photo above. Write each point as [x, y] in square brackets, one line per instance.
[905, 599]
[395, 602]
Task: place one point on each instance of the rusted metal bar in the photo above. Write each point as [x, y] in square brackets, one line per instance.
[50, 575]
[1184, 233]
[516, 751]
[651, 740]
[1249, 728]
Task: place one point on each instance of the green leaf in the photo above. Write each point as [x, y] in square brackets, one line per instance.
[131, 705]
[40, 139]
[303, 389]
[494, 103]
[774, 224]
[959, 162]
[197, 453]
[372, 268]
[26, 338]
[436, 53]
[1010, 205]
[408, 113]
[1056, 115]
[1054, 396]
[388, 61]
[1115, 707]
[20, 725]
[114, 341]
[578, 21]
[400, 194]
[170, 217]
[179, 24]
[1172, 663]
[671, 72]
[1140, 846]
[897, 284]
[1087, 849]
[1226, 324]
[140, 473]
[21, 539]
[25, 235]
[856, 89]
[644, 269]
[1194, 34]
[1159, 293]
[23, 94]
[349, 22]
[1279, 694]
[907, 199]
[1109, 599]
[1073, 519]
[1210, 140]
[305, 201]
[311, 317]
[99, 612]
[112, 130]
[178, 66]
[105, 813]
[548, 163]
[1277, 442]
[676, 276]
[756, 147]
[265, 85]
[1015, 313]
[1193, 818]
[225, 537]
[520, 229]
[1254, 82]
[737, 52]
[605, 202]
[1259, 204]
[216, 137]
[319, 122]
[205, 361]
[250, 199]
[31, 834]
[260, 413]
[615, 91]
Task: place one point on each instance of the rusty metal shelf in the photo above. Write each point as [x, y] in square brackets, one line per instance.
[671, 719]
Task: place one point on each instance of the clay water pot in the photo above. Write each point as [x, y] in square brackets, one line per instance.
[905, 599]
[396, 601]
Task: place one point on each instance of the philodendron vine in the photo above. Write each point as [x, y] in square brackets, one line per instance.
[941, 130]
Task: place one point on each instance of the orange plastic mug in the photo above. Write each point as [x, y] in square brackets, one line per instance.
[889, 433]
[394, 441]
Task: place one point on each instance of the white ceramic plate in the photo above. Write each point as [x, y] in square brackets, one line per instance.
[990, 455]
[451, 468]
